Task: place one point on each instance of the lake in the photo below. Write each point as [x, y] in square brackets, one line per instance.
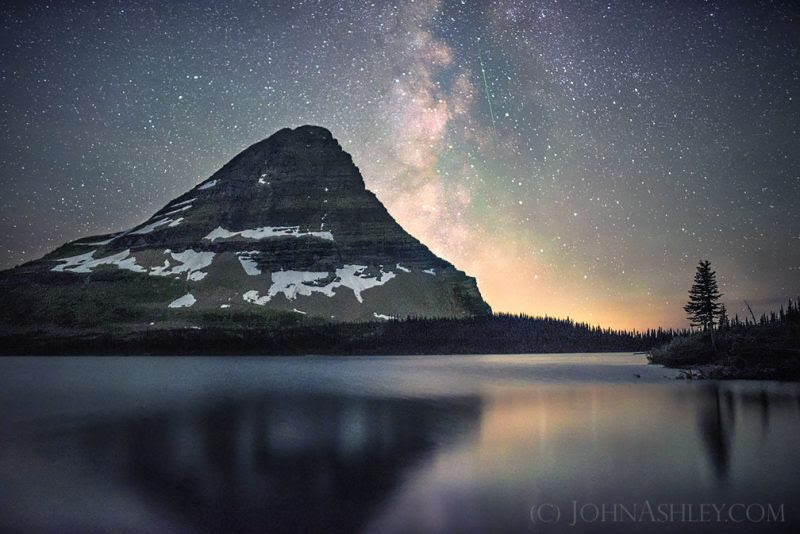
[488, 443]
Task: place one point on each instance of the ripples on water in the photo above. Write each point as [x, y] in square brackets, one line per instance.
[400, 444]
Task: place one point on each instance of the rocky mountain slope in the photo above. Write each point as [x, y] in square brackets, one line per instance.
[285, 228]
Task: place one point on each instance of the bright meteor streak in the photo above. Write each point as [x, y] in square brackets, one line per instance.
[486, 89]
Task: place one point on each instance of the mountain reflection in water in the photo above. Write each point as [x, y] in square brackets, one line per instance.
[381, 445]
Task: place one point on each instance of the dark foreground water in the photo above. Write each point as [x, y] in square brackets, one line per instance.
[392, 444]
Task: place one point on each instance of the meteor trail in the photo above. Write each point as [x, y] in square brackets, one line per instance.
[486, 89]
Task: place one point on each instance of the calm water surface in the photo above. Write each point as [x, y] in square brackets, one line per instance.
[390, 444]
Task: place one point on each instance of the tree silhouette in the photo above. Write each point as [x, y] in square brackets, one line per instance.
[703, 307]
[723, 320]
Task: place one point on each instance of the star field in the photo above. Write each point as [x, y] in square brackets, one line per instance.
[578, 160]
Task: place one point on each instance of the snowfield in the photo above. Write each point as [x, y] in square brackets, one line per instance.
[265, 232]
[84, 263]
[294, 283]
[188, 261]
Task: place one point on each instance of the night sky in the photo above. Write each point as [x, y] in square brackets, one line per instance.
[577, 158]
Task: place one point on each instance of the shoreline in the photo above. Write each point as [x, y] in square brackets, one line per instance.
[712, 371]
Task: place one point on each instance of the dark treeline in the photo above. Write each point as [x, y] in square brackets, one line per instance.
[786, 315]
[754, 347]
[500, 333]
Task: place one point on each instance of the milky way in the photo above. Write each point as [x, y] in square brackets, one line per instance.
[609, 147]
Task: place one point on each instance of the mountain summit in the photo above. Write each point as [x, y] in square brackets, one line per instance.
[285, 227]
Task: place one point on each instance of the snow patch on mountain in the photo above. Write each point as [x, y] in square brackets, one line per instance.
[249, 264]
[129, 263]
[208, 185]
[430, 272]
[182, 202]
[146, 229]
[294, 283]
[253, 297]
[353, 276]
[178, 210]
[100, 243]
[265, 232]
[382, 316]
[190, 262]
[404, 269]
[73, 261]
[185, 301]
[84, 263]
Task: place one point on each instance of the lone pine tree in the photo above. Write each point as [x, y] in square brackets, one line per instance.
[703, 305]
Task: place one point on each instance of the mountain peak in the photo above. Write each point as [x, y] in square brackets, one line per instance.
[300, 152]
[313, 132]
[308, 133]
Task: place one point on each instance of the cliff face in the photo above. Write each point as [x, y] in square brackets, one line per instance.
[286, 226]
